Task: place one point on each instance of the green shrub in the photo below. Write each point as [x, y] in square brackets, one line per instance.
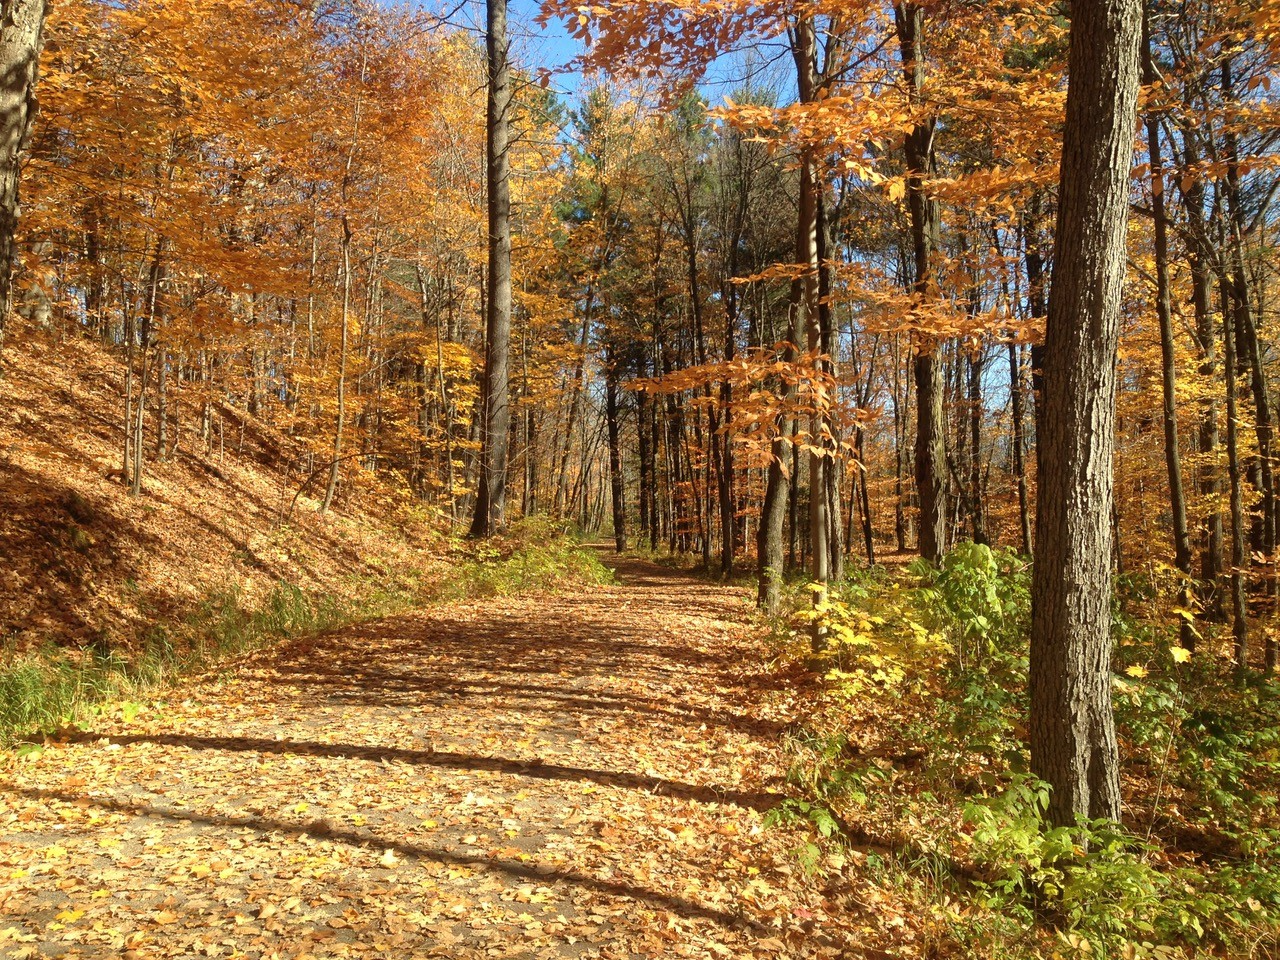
[929, 667]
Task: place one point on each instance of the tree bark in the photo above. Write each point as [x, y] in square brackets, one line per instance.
[1019, 446]
[21, 36]
[1073, 740]
[805, 295]
[1200, 257]
[930, 454]
[491, 493]
[1168, 358]
[779, 484]
[617, 483]
[344, 349]
[1239, 613]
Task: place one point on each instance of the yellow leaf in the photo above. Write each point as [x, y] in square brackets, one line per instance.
[1180, 654]
[1136, 671]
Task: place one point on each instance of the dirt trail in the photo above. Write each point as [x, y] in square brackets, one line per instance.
[576, 775]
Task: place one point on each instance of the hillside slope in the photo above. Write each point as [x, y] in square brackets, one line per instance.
[86, 563]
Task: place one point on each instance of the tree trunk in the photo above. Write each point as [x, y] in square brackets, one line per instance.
[899, 446]
[1211, 537]
[1073, 740]
[1168, 358]
[931, 456]
[344, 348]
[805, 297]
[345, 337]
[1239, 613]
[778, 491]
[21, 35]
[1019, 446]
[977, 499]
[491, 494]
[617, 483]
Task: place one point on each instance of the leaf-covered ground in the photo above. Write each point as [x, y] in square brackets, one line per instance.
[574, 775]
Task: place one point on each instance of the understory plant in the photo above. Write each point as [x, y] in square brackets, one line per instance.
[917, 743]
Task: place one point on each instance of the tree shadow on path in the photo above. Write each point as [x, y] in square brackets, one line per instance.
[512, 868]
[657, 786]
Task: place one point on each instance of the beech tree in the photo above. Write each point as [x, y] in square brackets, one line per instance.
[1073, 739]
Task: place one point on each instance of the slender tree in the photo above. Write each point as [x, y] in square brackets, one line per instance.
[926, 226]
[491, 494]
[1168, 360]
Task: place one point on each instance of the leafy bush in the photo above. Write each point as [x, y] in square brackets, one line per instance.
[919, 740]
[981, 598]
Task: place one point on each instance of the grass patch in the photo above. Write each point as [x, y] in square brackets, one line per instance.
[534, 555]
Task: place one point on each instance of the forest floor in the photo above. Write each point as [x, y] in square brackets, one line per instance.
[582, 774]
[87, 565]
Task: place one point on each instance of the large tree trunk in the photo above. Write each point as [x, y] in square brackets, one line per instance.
[1073, 740]
[491, 493]
[21, 33]
[931, 455]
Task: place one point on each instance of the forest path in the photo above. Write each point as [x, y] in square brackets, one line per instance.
[573, 775]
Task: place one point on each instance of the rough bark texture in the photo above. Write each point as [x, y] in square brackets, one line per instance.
[491, 493]
[21, 33]
[1073, 741]
[931, 454]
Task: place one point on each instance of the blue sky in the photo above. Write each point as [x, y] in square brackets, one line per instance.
[543, 47]
[552, 48]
